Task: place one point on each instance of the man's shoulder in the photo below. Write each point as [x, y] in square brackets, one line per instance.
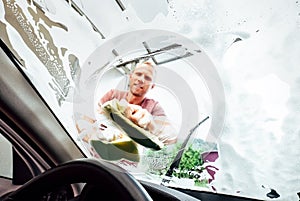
[150, 100]
[113, 93]
[153, 106]
[118, 94]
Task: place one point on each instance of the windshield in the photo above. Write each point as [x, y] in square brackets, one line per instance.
[192, 94]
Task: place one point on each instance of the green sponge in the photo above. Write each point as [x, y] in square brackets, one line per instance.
[136, 133]
[116, 150]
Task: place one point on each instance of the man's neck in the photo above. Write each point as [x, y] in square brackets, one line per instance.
[132, 99]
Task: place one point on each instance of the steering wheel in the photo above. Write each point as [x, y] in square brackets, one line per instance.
[103, 180]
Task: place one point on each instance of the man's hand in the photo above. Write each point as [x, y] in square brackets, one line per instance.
[139, 116]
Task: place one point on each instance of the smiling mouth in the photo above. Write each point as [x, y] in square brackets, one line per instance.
[139, 86]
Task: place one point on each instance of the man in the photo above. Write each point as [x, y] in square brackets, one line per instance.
[144, 112]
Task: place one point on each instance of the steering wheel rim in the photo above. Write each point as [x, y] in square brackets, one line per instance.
[107, 178]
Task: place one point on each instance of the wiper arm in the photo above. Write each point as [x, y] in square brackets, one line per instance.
[78, 10]
[176, 161]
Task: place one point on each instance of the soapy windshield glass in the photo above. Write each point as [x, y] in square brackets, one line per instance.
[222, 112]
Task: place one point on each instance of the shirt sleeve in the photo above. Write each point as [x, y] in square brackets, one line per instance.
[107, 97]
[158, 110]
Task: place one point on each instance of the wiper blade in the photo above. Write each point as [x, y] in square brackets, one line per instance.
[148, 55]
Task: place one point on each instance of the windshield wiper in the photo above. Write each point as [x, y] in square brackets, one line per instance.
[176, 161]
[80, 12]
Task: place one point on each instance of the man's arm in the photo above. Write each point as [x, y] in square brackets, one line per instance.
[165, 130]
[157, 125]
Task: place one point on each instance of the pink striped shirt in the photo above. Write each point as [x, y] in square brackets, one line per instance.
[152, 106]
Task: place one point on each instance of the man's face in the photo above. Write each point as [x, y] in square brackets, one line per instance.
[141, 80]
